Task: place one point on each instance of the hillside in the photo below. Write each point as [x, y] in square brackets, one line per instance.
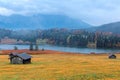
[111, 27]
[41, 21]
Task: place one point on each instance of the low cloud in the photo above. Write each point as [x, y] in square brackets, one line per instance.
[6, 12]
[95, 12]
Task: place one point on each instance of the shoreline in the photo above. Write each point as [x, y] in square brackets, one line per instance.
[61, 49]
[34, 52]
[6, 52]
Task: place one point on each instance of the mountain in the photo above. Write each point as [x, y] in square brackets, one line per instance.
[41, 21]
[111, 27]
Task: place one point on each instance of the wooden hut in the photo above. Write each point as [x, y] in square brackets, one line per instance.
[22, 58]
[112, 56]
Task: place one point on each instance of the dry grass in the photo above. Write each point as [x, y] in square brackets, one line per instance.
[62, 67]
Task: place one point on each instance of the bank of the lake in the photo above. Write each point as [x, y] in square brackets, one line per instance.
[61, 49]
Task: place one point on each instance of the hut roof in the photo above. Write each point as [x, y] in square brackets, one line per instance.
[112, 55]
[24, 56]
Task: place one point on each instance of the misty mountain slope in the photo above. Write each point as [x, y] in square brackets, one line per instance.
[41, 21]
[111, 27]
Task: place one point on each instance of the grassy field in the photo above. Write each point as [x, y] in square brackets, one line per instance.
[62, 67]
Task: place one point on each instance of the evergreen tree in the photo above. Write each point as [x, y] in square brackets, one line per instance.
[31, 47]
[15, 48]
[36, 47]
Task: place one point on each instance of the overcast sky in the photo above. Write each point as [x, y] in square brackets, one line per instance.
[94, 12]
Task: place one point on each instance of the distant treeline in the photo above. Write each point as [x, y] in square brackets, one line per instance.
[25, 35]
[65, 37]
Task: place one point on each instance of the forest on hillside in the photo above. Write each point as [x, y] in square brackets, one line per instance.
[65, 37]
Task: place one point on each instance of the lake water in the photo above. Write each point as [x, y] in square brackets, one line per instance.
[61, 48]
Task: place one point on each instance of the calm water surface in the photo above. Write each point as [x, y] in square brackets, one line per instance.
[60, 48]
